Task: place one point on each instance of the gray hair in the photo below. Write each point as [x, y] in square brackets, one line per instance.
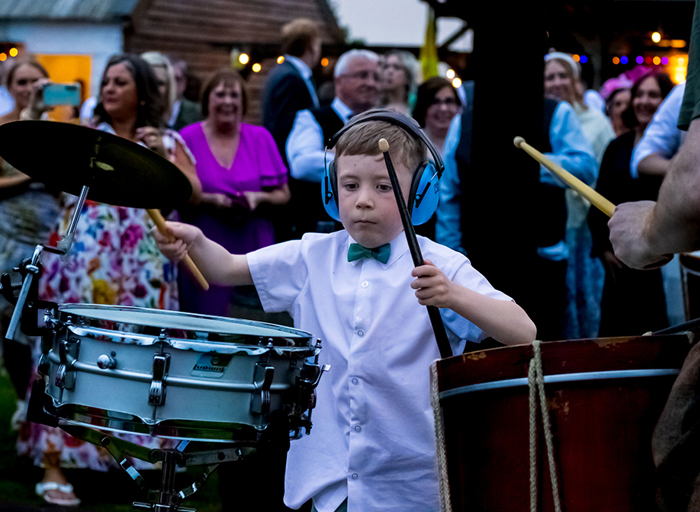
[156, 59]
[345, 59]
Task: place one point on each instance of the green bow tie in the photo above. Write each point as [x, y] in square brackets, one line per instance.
[358, 252]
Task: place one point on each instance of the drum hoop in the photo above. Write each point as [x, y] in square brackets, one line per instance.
[220, 347]
[278, 332]
[566, 377]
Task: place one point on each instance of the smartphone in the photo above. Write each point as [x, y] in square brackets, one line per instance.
[62, 94]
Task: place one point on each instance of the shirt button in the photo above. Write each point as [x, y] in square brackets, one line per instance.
[355, 381]
[360, 333]
[355, 476]
[358, 428]
[365, 284]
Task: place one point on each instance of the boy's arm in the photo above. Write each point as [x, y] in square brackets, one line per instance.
[216, 264]
[503, 320]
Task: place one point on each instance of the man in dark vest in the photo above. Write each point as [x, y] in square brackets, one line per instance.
[356, 90]
[562, 141]
[290, 86]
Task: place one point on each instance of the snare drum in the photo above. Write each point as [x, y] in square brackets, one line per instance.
[172, 374]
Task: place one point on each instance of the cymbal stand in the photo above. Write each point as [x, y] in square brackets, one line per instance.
[32, 269]
[167, 498]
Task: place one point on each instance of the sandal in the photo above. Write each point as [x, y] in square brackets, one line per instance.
[64, 495]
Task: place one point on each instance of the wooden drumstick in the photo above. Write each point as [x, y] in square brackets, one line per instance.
[572, 181]
[160, 224]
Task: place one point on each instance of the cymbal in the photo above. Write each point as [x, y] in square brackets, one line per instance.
[66, 157]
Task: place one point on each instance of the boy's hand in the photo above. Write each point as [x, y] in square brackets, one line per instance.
[175, 245]
[432, 286]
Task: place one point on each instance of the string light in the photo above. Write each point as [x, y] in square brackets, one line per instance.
[243, 58]
[324, 61]
[681, 61]
[3, 57]
[280, 59]
[583, 59]
[456, 83]
[616, 60]
[13, 52]
[656, 37]
[577, 57]
[640, 59]
[450, 74]
[624, 59]
[664, 60]
[656, 61]
[256, 67]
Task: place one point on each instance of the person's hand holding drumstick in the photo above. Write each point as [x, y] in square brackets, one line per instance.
[177, 248]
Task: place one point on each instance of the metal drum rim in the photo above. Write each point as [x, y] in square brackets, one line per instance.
[279, 332]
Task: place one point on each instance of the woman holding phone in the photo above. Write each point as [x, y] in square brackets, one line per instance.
[114, 260]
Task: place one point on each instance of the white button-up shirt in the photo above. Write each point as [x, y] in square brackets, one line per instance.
[306, 149]
[662, 136]
[373, 438]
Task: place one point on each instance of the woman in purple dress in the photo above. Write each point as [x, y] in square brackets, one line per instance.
[243, 178]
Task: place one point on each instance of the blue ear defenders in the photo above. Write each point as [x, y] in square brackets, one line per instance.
[425, 186]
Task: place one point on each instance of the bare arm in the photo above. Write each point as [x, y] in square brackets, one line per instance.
[216, 264]
[646, 233]
[654, 164]
[503, 320]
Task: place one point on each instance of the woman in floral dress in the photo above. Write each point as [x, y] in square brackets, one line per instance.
[113, 259]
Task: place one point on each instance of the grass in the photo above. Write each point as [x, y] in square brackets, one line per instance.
[99, 492]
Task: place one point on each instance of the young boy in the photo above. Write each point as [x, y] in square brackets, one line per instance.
[373, 442]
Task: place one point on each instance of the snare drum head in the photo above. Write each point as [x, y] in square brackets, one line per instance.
[182, 326]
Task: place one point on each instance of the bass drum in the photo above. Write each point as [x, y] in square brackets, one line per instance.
[172, 374]
[604, 399]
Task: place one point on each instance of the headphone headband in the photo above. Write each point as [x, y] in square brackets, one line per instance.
[390, 116]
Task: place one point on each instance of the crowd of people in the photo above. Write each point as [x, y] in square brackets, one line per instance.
[254, 186]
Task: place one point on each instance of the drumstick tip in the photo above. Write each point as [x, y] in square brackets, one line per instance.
[517, 141]
[383, 145]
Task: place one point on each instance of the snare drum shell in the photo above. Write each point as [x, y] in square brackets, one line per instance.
[602, 427]
[209, 387]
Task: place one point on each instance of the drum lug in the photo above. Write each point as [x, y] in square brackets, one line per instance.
[65, 376]
[161, 364]
[263, 381]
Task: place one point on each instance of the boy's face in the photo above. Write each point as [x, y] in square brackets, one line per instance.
[366, 201]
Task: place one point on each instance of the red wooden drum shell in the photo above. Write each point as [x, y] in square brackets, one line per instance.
[604, 398]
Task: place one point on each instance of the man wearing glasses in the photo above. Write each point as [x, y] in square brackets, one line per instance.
[356, 90]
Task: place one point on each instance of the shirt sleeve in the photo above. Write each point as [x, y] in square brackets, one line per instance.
[279, 273]
[448, 228]
[465, 275]
[662, 136]
[305, 148]
[570, 149]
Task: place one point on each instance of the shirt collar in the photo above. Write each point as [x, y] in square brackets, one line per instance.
[399, 246]
[304, 70]
[343, 111]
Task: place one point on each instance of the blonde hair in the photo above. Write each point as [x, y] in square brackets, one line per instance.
[156, 60]
[363, 139]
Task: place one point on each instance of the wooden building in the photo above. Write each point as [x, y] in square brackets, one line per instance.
[205, 33]
[82, 34]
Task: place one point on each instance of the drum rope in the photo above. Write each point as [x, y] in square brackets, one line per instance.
[536, 386]
[445, 501]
